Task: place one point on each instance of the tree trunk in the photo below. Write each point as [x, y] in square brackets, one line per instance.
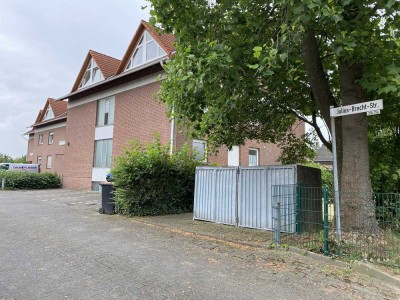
[357, 205]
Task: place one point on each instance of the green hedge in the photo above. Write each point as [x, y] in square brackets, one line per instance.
[149, 181]
[19, 180]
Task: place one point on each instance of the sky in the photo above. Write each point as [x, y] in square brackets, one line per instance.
[43, 44]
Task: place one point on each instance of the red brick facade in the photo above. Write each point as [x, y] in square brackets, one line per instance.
[139, 116]
[80, 146]
[55, 150]
[268, 154]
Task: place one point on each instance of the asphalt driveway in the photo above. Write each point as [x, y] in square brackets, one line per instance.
[55, 245]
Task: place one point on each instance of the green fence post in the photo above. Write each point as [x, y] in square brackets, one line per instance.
[326, 222]
[298, 206]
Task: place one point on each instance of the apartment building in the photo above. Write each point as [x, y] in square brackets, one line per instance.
[112, 102]
[46, 139]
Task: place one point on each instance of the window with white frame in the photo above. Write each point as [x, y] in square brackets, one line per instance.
[51, 137]
[146, 50]
[40, 139]
[103, 153]
[49, 114]
[253, 157]
[92, 74]
[199, 148]
[49, 160]
[105, 111]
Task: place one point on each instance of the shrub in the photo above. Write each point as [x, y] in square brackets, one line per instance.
[149, 181]
[18, 180]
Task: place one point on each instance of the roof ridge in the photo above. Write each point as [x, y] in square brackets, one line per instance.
[91, 50]
[147, 25]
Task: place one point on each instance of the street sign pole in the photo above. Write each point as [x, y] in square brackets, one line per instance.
[371, 108]
[336, 180]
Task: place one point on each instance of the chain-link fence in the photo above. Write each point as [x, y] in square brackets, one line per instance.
[370, 223]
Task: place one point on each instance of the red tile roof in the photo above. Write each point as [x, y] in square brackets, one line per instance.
[166, 42]
[39, 116]
[59, 109]
[108, 66]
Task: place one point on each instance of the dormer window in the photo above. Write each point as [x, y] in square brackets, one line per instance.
[146, 50]
[49, 114]
[92, 75]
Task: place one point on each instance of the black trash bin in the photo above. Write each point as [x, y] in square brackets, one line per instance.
[107, 203]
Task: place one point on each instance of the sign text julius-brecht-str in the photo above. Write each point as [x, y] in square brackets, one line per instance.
[371, 108]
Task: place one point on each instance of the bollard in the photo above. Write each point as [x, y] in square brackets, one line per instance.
[3, 183]
[277, 223]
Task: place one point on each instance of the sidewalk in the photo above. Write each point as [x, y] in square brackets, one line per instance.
[262, 240]
[184, 222]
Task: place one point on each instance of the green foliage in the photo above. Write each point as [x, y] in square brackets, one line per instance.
[388, 210]
[245, 69]
[4, 158]
[19, 180]
[297, 150]
[149, 181]
[20, 160]
[384, 148]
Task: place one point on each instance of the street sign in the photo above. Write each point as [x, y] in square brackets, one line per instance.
[371, 108]
[368, 107]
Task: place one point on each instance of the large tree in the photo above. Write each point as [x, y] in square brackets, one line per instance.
[251, 68]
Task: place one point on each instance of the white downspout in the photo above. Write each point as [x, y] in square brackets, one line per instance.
[171, 147]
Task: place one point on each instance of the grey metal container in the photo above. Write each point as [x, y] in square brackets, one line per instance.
[242, 196]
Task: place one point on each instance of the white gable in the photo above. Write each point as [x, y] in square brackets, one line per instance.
[146, 50]
[49, 114]
[92, 74]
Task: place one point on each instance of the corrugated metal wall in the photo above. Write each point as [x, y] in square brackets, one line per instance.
[215, 195]
[255, 193]
[242, 194]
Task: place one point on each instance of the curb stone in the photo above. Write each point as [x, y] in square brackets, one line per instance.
[359, 267]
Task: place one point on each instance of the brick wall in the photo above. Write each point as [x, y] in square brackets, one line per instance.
[268, 153]
[79, 150]
[138, 115]
[44, 150]
[30, 155]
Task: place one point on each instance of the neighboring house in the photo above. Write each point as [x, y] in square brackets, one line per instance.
[47, 137]
[324, 157]
[112, 102]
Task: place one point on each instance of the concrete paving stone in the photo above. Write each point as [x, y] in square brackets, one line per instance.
[55, 250]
